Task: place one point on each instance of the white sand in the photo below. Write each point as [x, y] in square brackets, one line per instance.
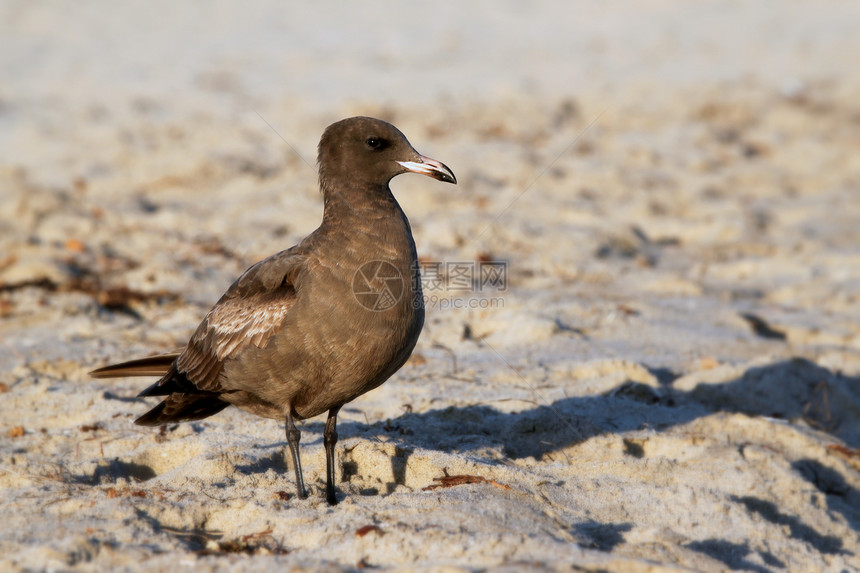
[649, 174]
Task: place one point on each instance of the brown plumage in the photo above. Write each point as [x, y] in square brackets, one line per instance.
[313, 327]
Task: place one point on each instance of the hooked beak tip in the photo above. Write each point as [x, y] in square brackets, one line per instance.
[431, 168]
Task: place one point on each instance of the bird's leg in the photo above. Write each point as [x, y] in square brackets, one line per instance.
[293, 437]
[329, 440]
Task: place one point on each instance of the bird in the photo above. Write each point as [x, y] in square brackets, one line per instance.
[312, 327]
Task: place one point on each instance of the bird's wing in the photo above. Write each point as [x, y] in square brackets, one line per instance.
[251, 311]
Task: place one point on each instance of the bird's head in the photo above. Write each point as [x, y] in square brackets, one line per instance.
[370, 152]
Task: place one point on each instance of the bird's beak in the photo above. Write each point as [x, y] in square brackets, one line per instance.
[431, 168]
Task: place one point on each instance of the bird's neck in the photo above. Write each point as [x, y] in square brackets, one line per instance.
[371, 204]
[372, 216]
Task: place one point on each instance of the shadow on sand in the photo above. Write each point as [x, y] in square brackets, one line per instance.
[790, 390]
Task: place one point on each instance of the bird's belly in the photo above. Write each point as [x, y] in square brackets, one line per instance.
[327, 360]
[358, 362]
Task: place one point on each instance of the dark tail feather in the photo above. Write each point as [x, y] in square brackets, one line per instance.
[150, 366]
[183, 403]
[182, 408]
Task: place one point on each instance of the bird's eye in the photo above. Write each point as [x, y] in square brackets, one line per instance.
[376, 143]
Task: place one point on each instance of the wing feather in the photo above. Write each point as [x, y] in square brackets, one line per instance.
[251, 312]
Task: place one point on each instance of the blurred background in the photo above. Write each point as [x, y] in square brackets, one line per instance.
[707, 149]
[328, 58]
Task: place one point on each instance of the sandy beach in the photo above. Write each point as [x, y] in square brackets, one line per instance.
[642, 345]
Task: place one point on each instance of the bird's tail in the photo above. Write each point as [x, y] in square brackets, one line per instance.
[179, 406]
[182, 408]
[149, 366]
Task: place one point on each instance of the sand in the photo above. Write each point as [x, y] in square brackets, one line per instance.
[667, 379]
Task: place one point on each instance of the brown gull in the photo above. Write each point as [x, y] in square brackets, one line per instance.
[313, 327]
